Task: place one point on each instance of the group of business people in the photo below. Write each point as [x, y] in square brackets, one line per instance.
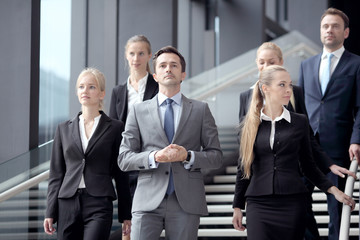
[165, 144]
[167, 140]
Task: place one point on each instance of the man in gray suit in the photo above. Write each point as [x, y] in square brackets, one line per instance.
[169, 139]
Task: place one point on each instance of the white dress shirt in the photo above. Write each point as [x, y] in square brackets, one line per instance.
[136, 96]
[85, 140]
[334, 61]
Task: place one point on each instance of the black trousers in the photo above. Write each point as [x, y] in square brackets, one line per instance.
[84, 217]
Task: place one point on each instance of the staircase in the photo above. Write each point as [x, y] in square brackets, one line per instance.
[21, 217]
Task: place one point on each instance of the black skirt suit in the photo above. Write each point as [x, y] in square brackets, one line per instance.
[275, 192]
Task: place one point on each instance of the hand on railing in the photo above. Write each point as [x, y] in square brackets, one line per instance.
[346, 214]
[341, 172]
[342, 197]
[354, 152]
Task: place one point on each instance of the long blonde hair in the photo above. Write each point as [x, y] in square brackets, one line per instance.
[250, 125]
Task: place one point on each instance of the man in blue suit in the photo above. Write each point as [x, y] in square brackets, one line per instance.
[331, 84]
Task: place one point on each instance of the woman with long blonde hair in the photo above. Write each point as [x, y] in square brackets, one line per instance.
[274, 153]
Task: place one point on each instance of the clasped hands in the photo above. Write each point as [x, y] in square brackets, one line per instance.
[171, 153]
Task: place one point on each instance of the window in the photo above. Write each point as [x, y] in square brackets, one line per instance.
[55, 33]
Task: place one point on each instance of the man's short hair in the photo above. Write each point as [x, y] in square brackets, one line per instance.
[334, 11]
[169, 49]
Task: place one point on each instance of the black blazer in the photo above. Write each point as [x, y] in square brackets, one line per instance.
[334, 115]
[69, 161]
[279, 170]
[320, 157]
[119, 98]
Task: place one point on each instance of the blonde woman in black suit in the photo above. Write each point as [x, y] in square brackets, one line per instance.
[84, 157]
[274, 150]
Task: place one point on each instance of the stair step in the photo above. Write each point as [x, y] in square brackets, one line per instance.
[228, 220]
[201, 233]
[220, 188]
[222, 198]
[227, 208]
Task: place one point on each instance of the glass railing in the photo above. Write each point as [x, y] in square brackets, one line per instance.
[24, 167]
[221, 86]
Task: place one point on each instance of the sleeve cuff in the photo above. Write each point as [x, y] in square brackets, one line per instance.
[152, 162]
[191, 162]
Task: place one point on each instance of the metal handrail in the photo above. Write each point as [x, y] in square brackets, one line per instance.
[346, 209]
[24, 186]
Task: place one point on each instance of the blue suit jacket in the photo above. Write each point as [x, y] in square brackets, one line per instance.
[335, 116]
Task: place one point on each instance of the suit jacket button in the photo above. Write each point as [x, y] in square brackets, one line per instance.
[274, 168]
[167, 173]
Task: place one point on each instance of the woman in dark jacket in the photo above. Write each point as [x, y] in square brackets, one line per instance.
[140, 86]
[82, 165]
[274, 151]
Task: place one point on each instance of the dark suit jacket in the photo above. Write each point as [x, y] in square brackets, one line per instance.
[119, 98]
[69, 162]
[277, 171]
[335, 116]
[320, 157]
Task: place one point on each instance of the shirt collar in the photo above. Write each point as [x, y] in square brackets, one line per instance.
[141, 83]
[81, 118]
[338, 53]
[285, 115]
[176, 98]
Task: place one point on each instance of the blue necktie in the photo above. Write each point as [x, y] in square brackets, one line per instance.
[169, 120]
[169, 130]
[325, 78]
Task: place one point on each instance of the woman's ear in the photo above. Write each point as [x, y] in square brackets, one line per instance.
[264, 88]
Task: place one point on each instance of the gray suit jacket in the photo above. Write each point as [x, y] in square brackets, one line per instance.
[144, 133]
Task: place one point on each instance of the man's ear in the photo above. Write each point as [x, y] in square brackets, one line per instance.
[155, 77]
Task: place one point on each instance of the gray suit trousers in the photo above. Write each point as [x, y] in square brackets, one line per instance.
[178, 224]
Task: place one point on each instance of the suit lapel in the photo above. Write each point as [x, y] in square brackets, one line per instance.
[104, 124]
[75, 132]
[316, 68]
[151, 88]
[122, 106]
[152, 107]
[186, 110]
[338, 70]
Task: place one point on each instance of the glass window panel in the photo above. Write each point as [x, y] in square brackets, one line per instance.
[55, 33]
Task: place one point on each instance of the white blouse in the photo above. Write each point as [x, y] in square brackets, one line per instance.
[85, 140]
[285, 115]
